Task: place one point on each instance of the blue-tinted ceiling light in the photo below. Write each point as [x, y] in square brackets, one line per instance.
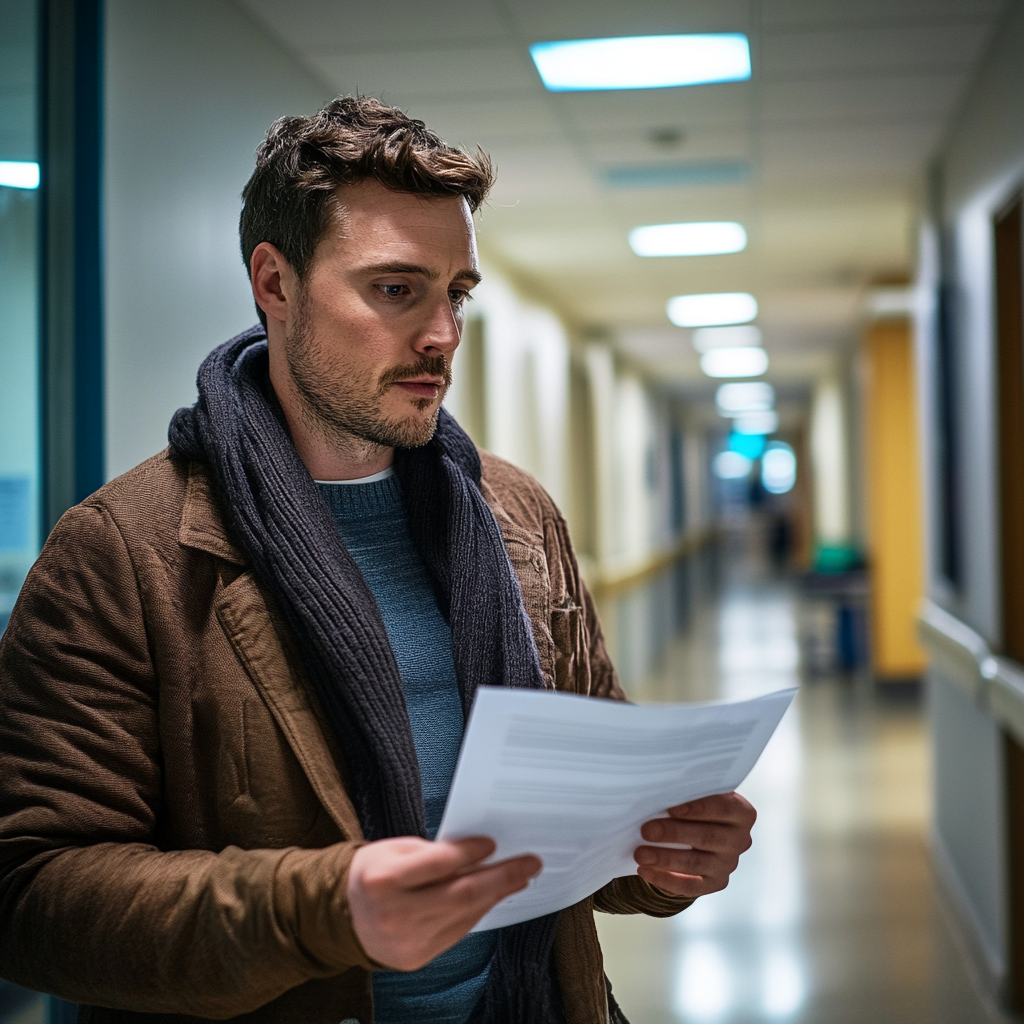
[19, 174]
[642, 62]
[750, 445]
[712, 310]
[708, 238]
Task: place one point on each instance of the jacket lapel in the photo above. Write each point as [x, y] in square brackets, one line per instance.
[256, 636]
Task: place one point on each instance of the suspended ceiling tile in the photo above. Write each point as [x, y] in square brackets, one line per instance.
[796, 12]
[627, 149]
[310, 24]
[531, 172]
[726, 103]
[516, 120]
[843, 154]
[831, 52]
[539, 20]
[581, 249]
[817, 307]
[856, 231]
[871, 98]
[428, 73]
[642, 206]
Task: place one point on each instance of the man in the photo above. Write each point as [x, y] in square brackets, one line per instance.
[234, 686]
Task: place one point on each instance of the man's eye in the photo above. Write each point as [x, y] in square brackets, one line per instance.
[457, 296]
[392, 290]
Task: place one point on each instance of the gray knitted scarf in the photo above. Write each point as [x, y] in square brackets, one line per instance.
[277, 517]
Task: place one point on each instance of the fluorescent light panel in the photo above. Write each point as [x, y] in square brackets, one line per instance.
[712, 310]
[19, 174]
[642, 62]
[734, 362]
[707, 238]
[735, 399]
[730, 465]
[756, 422]
[745, 336]
[778, 468]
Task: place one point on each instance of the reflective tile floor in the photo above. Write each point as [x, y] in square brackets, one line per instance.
[832, 916]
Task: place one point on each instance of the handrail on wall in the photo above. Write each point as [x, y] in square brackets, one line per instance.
[993, 682]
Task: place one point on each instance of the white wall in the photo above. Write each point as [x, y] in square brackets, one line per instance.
[980, 164]
[191, 88]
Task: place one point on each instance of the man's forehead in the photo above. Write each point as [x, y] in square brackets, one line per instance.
[372, 219]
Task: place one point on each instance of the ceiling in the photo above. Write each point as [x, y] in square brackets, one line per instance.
[821, 155]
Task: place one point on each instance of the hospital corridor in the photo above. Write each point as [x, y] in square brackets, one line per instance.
[360, 360]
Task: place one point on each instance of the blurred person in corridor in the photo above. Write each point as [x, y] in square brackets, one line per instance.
[235, 684]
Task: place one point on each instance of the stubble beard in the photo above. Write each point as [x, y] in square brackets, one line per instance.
[347, 407]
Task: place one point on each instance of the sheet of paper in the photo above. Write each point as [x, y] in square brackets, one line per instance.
[571, 779]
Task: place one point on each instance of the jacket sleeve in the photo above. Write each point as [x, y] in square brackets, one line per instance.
[91, 908]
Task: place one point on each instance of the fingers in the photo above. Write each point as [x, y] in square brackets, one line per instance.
[678, 884]
[417, 862]
[724, 808]
[411, 899]
[714, 831]
[700, 835]
[688, 862]
[480, 890]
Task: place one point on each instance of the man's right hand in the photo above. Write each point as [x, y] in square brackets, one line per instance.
[411, 899]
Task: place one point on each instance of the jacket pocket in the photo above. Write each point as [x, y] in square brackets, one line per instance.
[572, 668]
[266, 800]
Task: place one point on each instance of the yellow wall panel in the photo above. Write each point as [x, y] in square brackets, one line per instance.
[895, 514]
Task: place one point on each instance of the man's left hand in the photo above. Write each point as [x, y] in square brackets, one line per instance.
[718, 830]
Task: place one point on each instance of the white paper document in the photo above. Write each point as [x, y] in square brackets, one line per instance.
[571, 779]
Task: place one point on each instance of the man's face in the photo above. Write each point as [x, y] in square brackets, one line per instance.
[380, 314]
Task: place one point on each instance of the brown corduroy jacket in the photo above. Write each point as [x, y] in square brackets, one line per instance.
[175, 831]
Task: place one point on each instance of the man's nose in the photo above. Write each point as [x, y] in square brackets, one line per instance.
[442, 331]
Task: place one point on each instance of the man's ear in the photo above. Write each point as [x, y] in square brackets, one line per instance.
[274, 282]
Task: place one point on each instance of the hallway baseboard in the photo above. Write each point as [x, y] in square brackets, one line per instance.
[985, 963]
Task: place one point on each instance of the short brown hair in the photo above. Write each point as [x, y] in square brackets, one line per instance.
[289, 200]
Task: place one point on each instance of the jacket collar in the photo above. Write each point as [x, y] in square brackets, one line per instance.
[202, 526]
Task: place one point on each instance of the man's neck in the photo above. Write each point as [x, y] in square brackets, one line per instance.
[327, 457]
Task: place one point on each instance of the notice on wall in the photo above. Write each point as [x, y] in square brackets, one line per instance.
[571, 779]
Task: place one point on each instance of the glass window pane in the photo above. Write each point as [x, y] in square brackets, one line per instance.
[19, 300]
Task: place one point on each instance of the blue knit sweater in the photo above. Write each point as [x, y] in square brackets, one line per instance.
[372, 522]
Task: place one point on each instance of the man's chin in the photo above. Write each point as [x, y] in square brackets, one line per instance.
[409, 433]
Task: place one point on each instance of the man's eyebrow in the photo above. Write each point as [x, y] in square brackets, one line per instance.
[415, 268]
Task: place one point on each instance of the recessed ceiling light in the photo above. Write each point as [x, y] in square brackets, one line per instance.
[712, 310]
[756, 422]
[734, 362]
[19, 174]
[730, 465]
[778, 468]
[734, 399]
[745, 336]
[707, 238]
[642, 62]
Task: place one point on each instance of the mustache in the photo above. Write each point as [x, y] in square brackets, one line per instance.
[429, 366]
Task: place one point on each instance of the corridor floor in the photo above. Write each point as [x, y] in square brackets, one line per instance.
[832, 916]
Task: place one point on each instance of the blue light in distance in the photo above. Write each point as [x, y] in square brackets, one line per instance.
[19, 174]
[748, 445]
[642, 62]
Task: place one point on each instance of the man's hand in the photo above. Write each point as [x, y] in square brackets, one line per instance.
[718, 830]
[411, 899]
